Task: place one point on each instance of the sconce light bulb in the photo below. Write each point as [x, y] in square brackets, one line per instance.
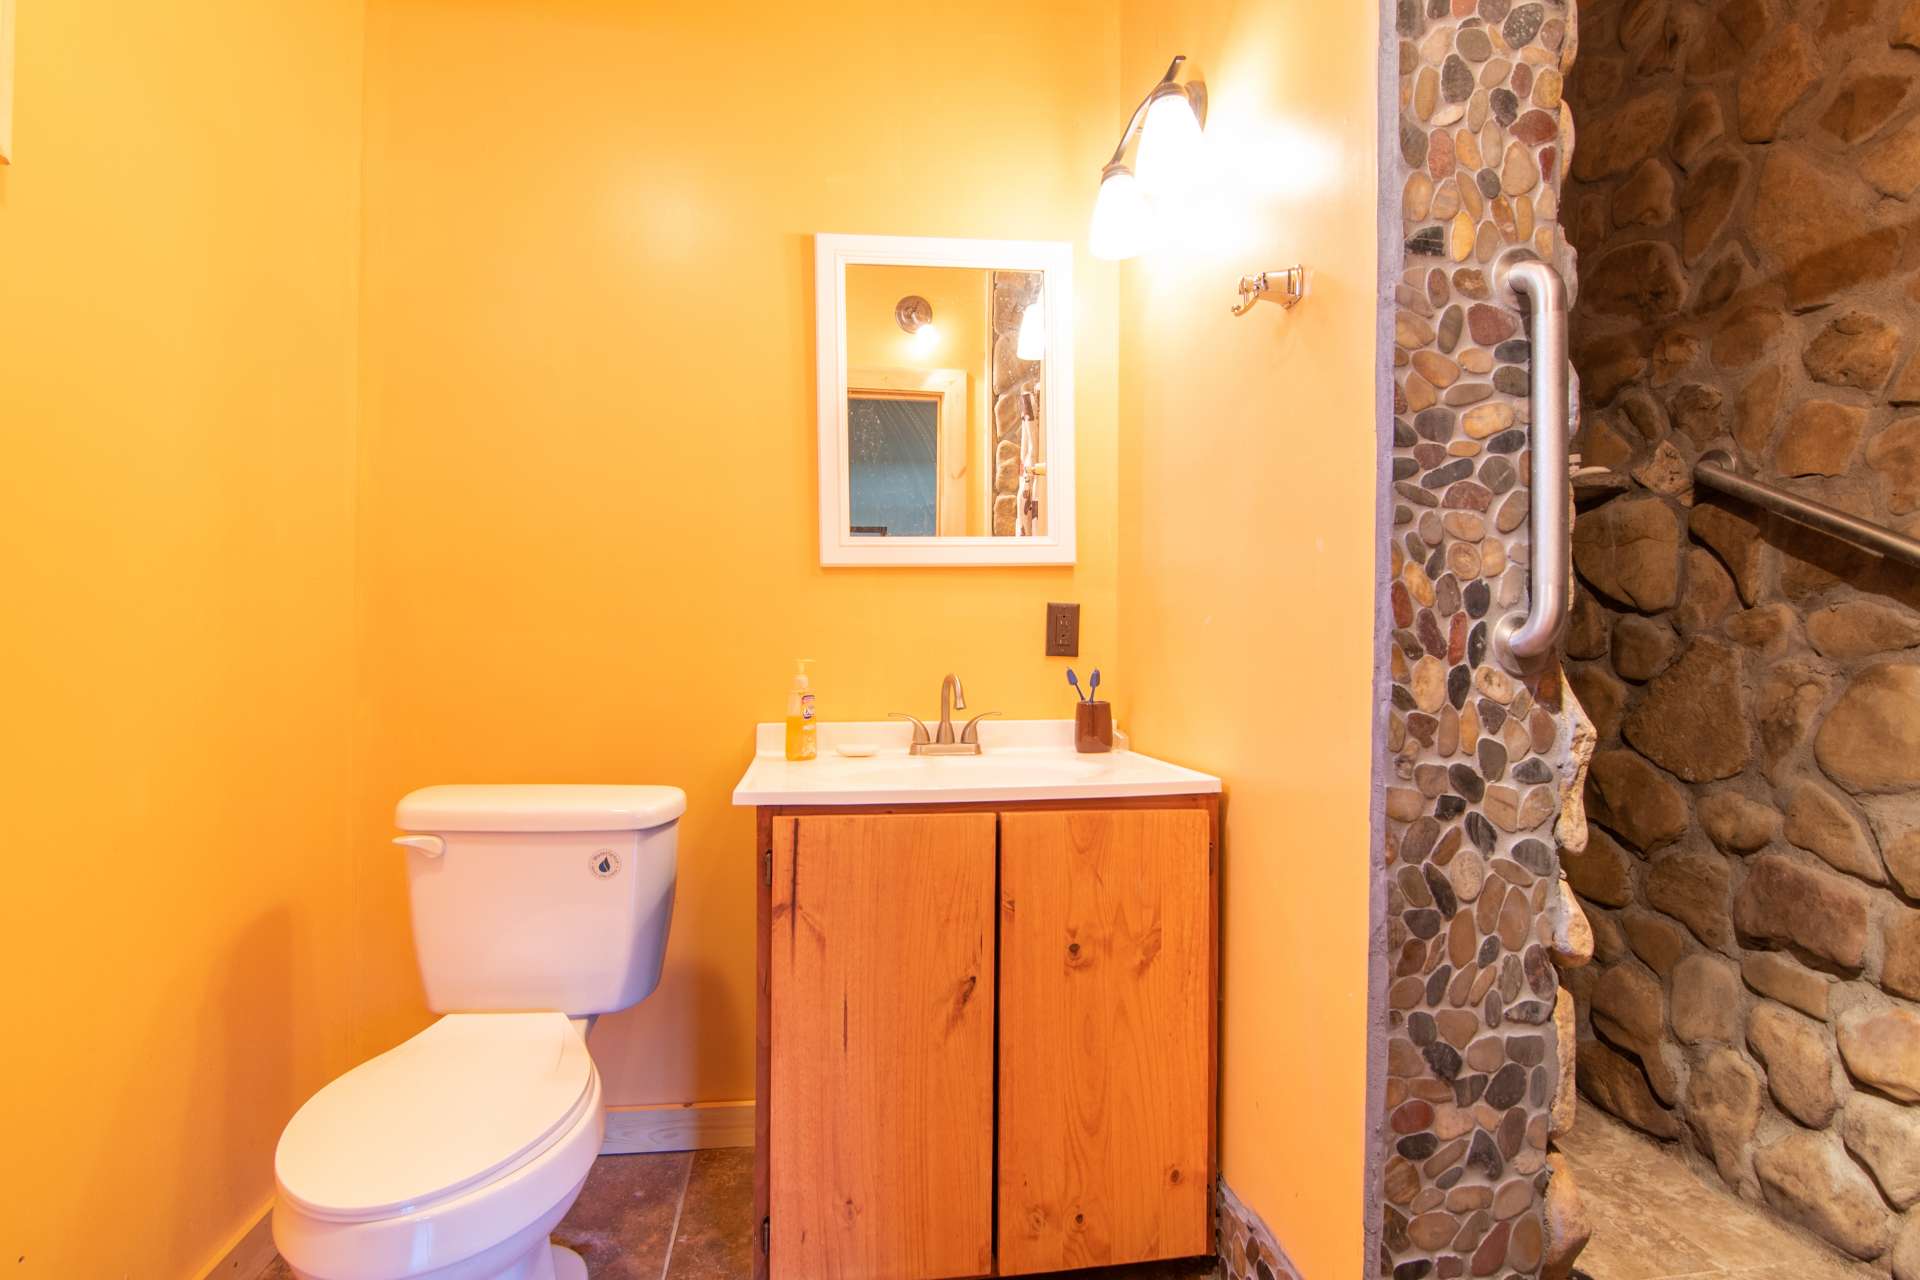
[1170, 145]
[925, 338]
[1032, 344]
[1121, 219]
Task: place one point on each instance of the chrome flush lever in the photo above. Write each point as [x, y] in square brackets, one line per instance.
[432, 846]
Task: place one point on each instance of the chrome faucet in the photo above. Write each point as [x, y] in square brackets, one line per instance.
[951, 695]
[943, 741]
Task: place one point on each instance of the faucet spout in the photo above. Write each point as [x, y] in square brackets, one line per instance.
[943, 741]
[953, 697]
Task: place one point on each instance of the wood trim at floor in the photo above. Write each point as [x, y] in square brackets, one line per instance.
[693, 1126]
[250, 1255]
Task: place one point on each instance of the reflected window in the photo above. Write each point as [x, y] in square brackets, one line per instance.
[893, 473]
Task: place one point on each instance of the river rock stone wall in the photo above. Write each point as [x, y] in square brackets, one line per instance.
[1013, 293]
[1484, 763]
[1741, 206]
[1245, 1244]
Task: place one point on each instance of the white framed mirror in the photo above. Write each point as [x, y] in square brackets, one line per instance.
[945, 400]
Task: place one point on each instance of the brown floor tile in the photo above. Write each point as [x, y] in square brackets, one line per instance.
[1655, 1217]
[715, 1240]
[622, 1224]
[689, 1216]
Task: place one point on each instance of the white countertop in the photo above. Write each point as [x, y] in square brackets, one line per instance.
[1018, 760]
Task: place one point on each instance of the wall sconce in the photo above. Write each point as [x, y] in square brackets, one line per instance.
[915, 315]
[1168, 123]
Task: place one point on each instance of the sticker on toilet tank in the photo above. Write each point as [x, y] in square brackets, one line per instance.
[605, 863]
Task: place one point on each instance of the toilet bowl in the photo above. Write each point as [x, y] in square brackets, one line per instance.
[453, 1155]
[450, 1157]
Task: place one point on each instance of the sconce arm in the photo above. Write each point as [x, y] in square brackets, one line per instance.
[1195, 90]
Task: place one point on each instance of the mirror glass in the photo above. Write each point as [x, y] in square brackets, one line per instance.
[941, 437]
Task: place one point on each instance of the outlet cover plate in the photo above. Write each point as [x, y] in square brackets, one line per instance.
[1063, 630]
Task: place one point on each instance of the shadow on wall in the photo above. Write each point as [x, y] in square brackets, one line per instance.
[239, 1094]
[701, 990]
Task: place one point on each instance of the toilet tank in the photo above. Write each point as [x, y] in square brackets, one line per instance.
[536, 897]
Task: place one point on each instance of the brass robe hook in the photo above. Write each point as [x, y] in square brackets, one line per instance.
[1287, 288]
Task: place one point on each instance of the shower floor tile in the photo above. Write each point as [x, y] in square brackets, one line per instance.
[1657, 1218]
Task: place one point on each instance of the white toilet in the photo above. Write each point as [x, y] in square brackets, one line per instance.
[452, 1156]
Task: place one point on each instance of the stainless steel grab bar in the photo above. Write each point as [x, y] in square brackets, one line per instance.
[1521, 641]
[1716, 470]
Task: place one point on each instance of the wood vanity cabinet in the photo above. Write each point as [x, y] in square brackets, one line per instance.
[986, 1038]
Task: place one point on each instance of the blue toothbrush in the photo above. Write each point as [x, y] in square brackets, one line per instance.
[1093, 686]
[1074, 680]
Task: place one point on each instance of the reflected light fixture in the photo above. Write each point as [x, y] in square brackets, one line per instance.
[1168, 124]
[1032, 343]
[915, 315]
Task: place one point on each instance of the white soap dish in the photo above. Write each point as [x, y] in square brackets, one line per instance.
[856, 750]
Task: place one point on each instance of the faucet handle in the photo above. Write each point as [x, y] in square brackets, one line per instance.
[920, 733]
[972, 731]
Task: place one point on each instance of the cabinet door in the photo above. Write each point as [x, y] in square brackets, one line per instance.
[1106, 973]
[880, 1133]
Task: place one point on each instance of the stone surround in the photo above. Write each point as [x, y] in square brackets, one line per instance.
[1486, 766]
[1013, 291]
[1748, 284]
[1247, 1248]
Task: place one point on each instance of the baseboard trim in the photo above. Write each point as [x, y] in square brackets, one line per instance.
[692, 1126]
[248, 1257]
[1248, 1249]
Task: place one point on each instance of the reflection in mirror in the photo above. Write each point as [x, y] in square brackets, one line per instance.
[893, 475]
[943, 422]
[946, 401]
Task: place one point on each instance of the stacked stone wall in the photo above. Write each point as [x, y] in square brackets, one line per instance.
[1743, 201]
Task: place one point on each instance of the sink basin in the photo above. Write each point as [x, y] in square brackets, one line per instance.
[1019, 760]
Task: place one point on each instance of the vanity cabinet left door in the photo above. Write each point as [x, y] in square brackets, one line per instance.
[881, 1001]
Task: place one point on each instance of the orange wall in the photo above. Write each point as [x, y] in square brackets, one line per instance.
[589, 530]
[1246, 521]
[567, 531]
[178, 256]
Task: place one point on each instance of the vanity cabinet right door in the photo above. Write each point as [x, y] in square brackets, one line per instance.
[1106, 1028]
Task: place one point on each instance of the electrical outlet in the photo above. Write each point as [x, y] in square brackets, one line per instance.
[1063, 630]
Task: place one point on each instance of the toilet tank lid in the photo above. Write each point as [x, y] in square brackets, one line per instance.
[539, 807]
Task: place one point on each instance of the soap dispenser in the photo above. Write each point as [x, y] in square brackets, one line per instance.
[802, 733]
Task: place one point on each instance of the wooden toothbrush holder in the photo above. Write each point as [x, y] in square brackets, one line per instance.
[1093, 727]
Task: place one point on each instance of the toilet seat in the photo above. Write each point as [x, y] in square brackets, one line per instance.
[462, 1104]
[491, 1225]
